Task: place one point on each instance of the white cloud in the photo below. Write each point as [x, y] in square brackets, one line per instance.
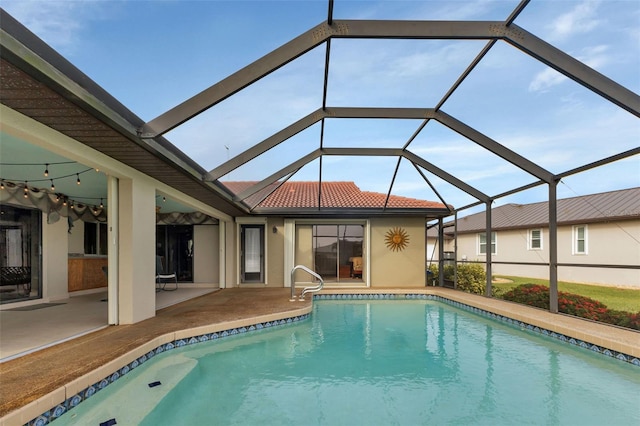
[59, 23]
[546, 79]
[581, 19]
[594, 56]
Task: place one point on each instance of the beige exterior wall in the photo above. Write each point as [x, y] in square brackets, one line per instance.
[382, 267]
[76, 237]
[404, 268]
[275, 252]
[613, 243]
[54, 259]
[303, 252]
[206, 246]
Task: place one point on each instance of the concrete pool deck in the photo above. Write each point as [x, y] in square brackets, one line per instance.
[34, 383]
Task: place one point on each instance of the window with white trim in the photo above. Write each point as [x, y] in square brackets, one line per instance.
[95, 238]
[580, 239]
[482, 243]
[535, 239]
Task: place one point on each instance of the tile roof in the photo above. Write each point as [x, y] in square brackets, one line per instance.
[301, 195]
[607, 206]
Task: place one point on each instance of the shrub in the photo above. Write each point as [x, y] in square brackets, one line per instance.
[471, 276]
[568, 303]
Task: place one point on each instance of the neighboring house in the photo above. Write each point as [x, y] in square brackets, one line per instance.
[599, 229]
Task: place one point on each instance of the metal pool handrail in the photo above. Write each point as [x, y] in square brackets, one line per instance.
[306, 290]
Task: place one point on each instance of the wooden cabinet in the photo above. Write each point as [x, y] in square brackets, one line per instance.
[86, 273]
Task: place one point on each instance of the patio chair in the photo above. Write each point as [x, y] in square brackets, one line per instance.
[356, 267]
[163, 278]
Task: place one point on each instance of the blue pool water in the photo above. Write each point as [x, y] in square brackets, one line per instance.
[413, 362]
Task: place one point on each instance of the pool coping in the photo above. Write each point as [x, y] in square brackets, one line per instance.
[620, 344]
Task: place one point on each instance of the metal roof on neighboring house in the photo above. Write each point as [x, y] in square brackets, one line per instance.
[603, 207]
[336, 195]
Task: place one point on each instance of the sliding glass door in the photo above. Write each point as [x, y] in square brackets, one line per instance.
[337, 251]
[174, 245]
[20, 260]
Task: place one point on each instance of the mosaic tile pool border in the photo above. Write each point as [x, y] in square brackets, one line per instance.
[70, 403]
[566, 339]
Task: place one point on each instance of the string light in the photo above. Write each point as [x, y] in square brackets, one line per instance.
[28, 186]
[164, 199]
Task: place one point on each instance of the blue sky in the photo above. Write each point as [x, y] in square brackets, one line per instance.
[153, 55]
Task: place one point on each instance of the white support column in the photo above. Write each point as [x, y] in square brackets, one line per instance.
[231, 253]
[136, 251]
[222, 253]
[289, 250]
[112, 248]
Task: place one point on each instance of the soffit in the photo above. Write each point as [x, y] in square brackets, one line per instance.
[23, 89]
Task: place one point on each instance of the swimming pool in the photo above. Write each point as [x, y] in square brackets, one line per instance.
[374, 362]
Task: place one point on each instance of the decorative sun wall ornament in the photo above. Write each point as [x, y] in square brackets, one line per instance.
[396, 239]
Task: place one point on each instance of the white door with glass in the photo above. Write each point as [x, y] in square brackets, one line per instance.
[252, 253]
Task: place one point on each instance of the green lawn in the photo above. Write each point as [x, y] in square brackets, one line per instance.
[621, 299]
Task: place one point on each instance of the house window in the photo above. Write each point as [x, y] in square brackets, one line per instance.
[482, 243]
[580, 239]
[535, 239]
[95, 238]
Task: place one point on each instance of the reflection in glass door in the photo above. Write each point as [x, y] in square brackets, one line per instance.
[337, 252]
[174, 245]
[19, 254]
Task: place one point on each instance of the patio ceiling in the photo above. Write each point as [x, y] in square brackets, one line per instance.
[39, 83]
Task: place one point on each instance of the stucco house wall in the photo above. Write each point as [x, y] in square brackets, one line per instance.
[401, 268]
[383, 267]
[206, 246]
[608, 243]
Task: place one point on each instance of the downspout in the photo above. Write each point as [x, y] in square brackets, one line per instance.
[553, 247]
